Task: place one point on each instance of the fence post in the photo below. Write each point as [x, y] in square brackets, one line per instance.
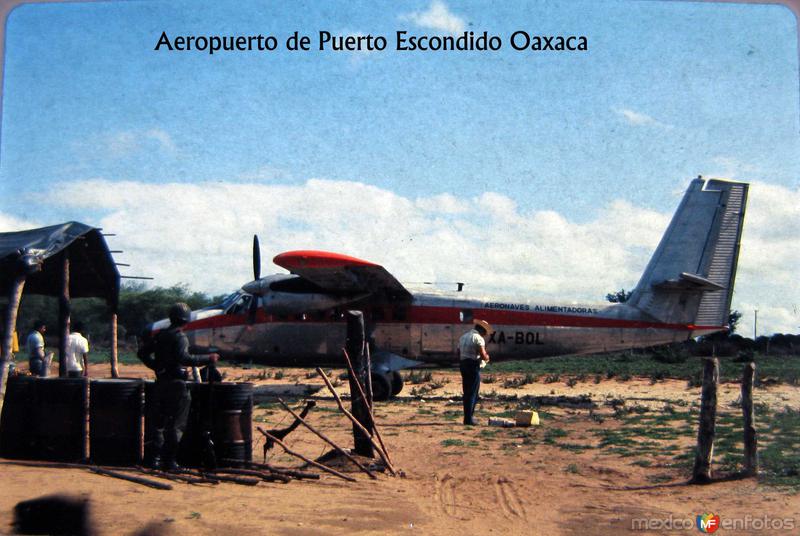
[701, 474]
[750, 441]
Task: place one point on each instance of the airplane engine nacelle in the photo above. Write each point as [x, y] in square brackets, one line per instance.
[290, 303]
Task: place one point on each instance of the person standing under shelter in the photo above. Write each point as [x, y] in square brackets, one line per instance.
[38, 361]
[77, 353]
[167, 353]
[472, 356]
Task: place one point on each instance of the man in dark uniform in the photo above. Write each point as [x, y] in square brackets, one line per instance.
[167, 353]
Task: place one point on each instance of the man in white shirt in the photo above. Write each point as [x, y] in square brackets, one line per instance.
[472, 352]
[77, 353]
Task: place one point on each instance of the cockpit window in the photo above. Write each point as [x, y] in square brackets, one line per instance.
[241, 305]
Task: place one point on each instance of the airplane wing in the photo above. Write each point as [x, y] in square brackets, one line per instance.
[339, 273]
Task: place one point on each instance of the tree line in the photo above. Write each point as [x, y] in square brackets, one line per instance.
[138, 306]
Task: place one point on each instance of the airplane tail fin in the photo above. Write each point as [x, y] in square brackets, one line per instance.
[689, 279]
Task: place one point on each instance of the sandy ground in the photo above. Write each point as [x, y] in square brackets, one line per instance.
[457, 480]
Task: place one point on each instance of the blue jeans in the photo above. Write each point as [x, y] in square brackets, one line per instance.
[471, 383]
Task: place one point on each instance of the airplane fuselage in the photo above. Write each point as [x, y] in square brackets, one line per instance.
[428, 328]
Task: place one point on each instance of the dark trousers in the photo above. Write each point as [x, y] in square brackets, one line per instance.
[172, 404]
[471, 383]
[74, 374]
[36, 366]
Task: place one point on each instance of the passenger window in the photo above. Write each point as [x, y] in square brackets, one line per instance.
[465, 315]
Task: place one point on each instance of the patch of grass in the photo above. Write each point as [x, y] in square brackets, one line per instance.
[660, 479]
[645, 365]
[572, 382]
[552, 434]
[417, 377]
[574, 447]
[279, 374]
[514, 383]
[572, 469]
[642, 463]
[459, 443]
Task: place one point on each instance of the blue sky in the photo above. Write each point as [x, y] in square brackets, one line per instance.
[666, 91]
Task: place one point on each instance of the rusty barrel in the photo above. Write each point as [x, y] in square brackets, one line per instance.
[16, 433]
[59, 419]
[224, 412]
[116, 418]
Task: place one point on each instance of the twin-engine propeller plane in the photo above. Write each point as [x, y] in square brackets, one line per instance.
[297, 319]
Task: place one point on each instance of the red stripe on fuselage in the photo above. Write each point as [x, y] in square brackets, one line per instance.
[450, 315]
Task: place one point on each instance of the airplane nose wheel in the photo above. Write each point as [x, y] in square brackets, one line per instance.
[381, 386]
[397, 383]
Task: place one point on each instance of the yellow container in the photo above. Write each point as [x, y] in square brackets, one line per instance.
[527, 418]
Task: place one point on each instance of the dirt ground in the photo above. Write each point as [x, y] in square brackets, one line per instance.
[455, 480]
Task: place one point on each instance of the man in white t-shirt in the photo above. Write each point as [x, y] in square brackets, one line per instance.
[472, 354]
[77, 353]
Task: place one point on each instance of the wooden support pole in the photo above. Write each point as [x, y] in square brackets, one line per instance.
[277, 470]
[266, 476]
[14, 297]
[114, 350]
[327, 440]
[307, 460]
[137, 479]
[63, 315]
[371, 414]
[355, 421]
[706, 431]
[359, 404]
[750, 440]
[243, 480]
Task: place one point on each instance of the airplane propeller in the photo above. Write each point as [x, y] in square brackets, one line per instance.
[256, 258]
[251, 317]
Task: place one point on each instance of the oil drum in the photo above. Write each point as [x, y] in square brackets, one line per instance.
[16, 434]
[223, 413]
[59, 419]
[116, 419]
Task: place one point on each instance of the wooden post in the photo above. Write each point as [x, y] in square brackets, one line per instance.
[355, 422]
[707, 426]
[359, 406]
[63, 315]
[114, 355]
[750, 441]
[369, 397]
[14, 297]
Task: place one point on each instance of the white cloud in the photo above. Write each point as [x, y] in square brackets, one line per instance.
[437, 17]
[640, 119]
[201, 234]
[10, 224]
[124, 143]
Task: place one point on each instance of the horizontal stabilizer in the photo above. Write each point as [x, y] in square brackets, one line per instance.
[688, 281]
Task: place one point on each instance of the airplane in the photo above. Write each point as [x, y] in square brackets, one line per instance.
[297, 319]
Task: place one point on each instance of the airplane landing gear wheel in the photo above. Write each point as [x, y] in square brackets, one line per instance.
[381, 387]
[397, 383]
